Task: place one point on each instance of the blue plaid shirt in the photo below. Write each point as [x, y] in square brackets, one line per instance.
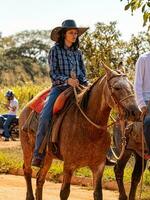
[64, 60]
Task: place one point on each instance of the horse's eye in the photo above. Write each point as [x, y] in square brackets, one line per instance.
[117, 88]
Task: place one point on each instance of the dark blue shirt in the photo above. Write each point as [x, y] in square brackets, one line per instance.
[64, 60]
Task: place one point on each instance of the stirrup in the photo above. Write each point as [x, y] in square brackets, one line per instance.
[110, 162]
[54, 148]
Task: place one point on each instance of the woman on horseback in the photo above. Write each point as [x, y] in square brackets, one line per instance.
[64, 57]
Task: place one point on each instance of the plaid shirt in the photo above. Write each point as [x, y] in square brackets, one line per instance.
[64, 60]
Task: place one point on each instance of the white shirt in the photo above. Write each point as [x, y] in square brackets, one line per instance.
[13, 103]
[142, 80]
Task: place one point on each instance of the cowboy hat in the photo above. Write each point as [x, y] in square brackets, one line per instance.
[67, 24]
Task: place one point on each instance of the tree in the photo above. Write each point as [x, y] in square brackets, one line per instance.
[133, 49]
[144, 5]
[27, 44]
[103, 43]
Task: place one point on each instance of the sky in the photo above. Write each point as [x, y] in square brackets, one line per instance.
[20, 15]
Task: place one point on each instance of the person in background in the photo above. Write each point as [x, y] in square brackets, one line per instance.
[64, 57]
[12, 107]
[142, 94]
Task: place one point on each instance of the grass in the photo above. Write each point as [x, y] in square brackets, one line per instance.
[12, 158]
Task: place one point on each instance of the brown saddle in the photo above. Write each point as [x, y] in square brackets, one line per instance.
[134, 135]
[62, 104]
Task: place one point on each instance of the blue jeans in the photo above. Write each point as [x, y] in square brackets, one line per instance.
[7, 122]
[147, 127]
[45, 119]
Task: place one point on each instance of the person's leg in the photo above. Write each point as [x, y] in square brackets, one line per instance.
[7, 124]
[45, 120]
[5, 116]
[147, 131]
[2, 120]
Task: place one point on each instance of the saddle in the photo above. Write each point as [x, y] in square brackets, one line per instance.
[59, 110]
[134, 135]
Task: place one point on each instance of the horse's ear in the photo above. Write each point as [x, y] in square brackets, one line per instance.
[108, 71]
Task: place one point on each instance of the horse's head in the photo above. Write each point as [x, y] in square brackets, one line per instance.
[120, 95]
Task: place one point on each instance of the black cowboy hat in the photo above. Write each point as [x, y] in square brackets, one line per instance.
[9, 93]
[67, 24]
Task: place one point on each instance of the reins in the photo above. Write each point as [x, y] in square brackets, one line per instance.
[86, 117]
[141, 183]
[118, 103]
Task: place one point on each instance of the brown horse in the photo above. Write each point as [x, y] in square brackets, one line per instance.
[133, 147]
[81, 143]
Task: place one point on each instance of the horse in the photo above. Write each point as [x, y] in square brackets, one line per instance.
[81, 142]
[133, 147]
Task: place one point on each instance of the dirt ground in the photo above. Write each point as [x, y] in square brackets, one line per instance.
[13, 187]
[9, 144]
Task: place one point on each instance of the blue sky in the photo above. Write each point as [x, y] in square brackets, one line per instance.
[19, 15]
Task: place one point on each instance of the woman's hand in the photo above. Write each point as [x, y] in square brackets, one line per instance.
[73, 82]
[144, 111]
[6, 106]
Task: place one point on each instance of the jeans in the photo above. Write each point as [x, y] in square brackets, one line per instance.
[45, 119]
[147, 127]
[7, 122]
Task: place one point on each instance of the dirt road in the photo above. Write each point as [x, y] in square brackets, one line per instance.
[10, 144]
[13, 187]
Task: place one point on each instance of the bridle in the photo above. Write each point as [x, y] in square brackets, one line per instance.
[118, 102]
[119, 105]
[122, 121]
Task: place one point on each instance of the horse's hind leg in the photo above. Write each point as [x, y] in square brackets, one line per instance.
[97, 180]
[136, 176]
[119, 171]
[41, 175]
[27, 153]
[65, 188]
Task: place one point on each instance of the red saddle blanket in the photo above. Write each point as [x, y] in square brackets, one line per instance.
[37, 103]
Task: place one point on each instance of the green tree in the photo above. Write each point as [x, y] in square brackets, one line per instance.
[134, 48]
[103, 43]
[144, 5]
[24, 56]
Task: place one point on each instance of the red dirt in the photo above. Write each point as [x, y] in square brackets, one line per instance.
[13, 187]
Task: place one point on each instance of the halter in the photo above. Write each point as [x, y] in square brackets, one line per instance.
[118, 102]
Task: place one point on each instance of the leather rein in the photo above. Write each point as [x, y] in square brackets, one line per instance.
[122, 121]
[118, 103]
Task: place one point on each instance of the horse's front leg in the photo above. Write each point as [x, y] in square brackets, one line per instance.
[41, 176]
[65, 188]
[119, 171]
[136, 176]
[27, 154]
[97, 180]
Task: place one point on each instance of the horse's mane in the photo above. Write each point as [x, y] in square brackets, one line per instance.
[83, 97]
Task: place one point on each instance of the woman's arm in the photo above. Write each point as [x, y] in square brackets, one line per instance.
[55, 73]
[139, 74]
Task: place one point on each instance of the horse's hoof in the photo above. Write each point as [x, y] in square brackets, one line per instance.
[123, 198]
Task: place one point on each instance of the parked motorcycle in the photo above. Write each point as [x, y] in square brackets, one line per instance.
[14, 128]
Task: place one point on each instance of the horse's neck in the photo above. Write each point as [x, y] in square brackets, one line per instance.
[97, 109]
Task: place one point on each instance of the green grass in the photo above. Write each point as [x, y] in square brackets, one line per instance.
[12, 158]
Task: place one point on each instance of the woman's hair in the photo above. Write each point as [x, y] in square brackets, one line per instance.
[61, 40]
